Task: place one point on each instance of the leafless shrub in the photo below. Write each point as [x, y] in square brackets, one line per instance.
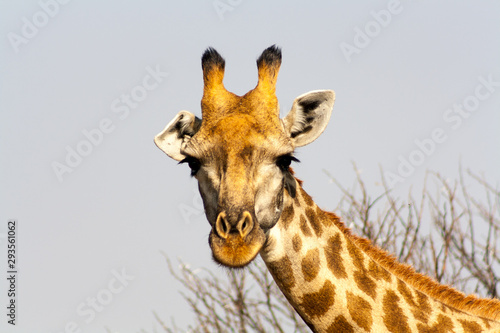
[246, 301]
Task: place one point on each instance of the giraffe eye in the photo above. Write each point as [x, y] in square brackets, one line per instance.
[283, 162]
[193, 163]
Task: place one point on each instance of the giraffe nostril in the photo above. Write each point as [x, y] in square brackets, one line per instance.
[245, 224]
[222, 226]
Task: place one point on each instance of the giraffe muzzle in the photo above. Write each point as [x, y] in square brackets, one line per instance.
[236, 243]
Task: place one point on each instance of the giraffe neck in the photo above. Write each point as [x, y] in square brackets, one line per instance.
[339, 282]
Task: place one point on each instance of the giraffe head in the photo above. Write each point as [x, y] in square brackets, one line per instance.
[240, 152]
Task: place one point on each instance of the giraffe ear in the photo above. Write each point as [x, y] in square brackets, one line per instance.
[309, 116]
[179, 130]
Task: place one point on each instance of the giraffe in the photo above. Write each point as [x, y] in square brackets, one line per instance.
[240, 152]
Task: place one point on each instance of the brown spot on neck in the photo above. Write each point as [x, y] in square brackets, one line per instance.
[406, 293]
[296, 199]
[361, 275]
[365, 283]
[282, 273]
[394, 318]
[310, 265]
[314, 221]
[304, 227]
[340, 324]
[486, 322]
[423, 309]
[325, 218]
[420, 306]
[443, 325]
[296, 243]
[334, 258]
[360, 311]
[307, 198]
[317, 304]
[470, 326]
[378, 272]
[356, 255]
[287, 216]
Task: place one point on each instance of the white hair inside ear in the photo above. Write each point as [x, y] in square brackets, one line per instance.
[309, 116]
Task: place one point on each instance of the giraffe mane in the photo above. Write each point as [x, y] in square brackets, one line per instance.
[482, 307]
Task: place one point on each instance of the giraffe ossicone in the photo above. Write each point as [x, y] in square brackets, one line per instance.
[240, 152]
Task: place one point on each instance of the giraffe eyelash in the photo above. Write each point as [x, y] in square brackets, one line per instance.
[193, 163]
[284, 161]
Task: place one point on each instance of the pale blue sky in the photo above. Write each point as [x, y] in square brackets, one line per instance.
[121, 204]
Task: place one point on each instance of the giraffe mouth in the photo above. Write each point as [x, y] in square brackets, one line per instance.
[235, 251]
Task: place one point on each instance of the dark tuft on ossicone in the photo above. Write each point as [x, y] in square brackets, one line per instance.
[211, 58]
[270, 57]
